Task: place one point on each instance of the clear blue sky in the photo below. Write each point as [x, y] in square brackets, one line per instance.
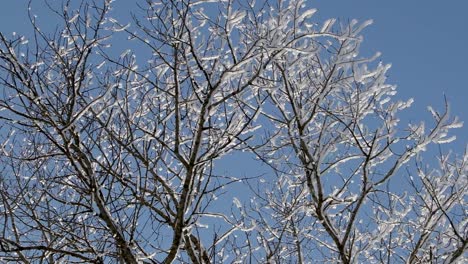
[426, 42]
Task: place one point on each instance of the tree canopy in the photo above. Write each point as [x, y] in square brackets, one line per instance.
[112, 134]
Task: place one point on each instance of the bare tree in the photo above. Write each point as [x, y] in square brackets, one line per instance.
[335, 147]
[111, 155]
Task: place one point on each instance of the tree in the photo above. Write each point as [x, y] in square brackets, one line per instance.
[109, 157]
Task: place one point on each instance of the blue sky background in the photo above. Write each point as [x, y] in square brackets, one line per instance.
[427, 44]
[425, 41]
